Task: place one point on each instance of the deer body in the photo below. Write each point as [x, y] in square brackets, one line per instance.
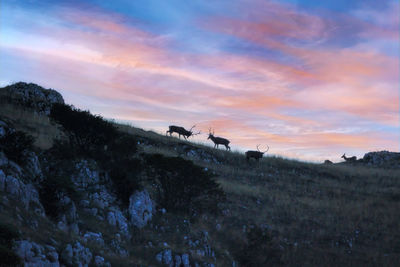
[349, 159]
[257, 155]
[219, 141]
[181, 131]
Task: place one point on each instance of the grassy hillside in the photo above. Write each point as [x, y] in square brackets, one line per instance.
[315, 214]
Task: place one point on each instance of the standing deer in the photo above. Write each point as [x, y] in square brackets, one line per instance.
[350, 159]
[181, 131]
[255, 154]
[218, 140]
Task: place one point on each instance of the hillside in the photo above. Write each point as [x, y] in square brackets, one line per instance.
[83, 191]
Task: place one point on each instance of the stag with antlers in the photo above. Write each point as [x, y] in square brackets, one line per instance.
[349, 159]
[181, 131]
[255, 154]
[218, 140]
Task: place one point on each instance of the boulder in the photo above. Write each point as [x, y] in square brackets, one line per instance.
[140, 208]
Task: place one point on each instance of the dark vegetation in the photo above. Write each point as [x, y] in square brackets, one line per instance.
[15, 144]
[184, 187]
[258, 249]
[56, 185]
[8, 234]
[87, 133]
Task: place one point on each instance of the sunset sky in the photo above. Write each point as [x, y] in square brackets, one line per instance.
[312, 79]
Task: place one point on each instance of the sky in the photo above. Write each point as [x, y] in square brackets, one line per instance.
[310, 79]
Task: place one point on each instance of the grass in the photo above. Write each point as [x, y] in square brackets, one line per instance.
[320, 214]
[24, 119]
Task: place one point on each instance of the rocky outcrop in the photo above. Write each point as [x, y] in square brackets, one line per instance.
[86, 176]
[32, 96]
[140, 208]
[76, 255]
[381, 158]
[33, 254]
[116, 218]
[24, 193]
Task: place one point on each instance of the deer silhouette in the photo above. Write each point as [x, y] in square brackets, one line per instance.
[181, 131]
[349, 159]
[255, 154]
[218, 140]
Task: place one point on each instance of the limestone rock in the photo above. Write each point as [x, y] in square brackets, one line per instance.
[76, 255]
[33, 96]
[140, 208]
[33, 254]
[94, 238]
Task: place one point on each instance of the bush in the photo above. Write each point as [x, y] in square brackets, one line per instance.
[57, 184]
[258, 250]
[15, 144]
[184, 187]
[8, 233]
[88, 133]
[124, 175]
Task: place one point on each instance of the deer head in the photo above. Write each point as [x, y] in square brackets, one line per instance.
[210, 134]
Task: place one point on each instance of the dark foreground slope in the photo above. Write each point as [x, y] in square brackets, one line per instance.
[106, 194]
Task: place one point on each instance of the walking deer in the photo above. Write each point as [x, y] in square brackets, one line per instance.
[181, 131]
[218, 140]
[349, 159]
[255, 154]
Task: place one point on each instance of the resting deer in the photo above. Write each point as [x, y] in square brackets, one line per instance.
[218, 140]
[255, 154]
[181, 131]
[350, 159]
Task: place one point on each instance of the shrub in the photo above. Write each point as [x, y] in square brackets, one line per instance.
[8, 233]
[88, 133]
[15, 144]
[124, 175]
[182, 186]
[57, 184]
[258, 250]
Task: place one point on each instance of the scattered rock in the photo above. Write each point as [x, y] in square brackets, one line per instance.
[33, 254]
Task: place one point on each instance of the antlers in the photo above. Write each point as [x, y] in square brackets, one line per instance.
[262, 151]
[209, 131]
[192, 129]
